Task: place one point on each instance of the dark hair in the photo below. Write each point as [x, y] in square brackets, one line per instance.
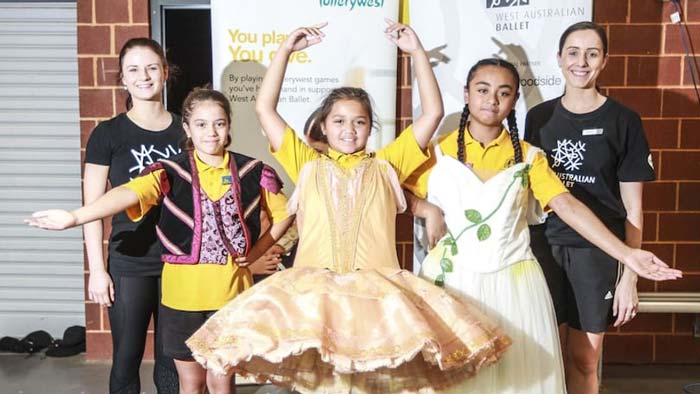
[312, 127]
[345, 93]
[140, 42]
[512, 125]
[199, 95]
[584, 26]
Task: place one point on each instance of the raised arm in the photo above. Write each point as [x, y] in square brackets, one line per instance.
[430, 99]
[266, 106]
[581, 219]
[114, 201]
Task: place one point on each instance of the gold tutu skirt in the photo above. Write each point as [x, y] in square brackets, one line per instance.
[367, 331]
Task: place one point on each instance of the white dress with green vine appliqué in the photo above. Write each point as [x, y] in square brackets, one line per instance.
[486, 258]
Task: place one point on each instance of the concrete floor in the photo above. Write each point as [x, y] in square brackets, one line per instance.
[20, 374]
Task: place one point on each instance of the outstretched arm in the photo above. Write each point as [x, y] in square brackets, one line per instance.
[266, 106]
[430, 99]
[581, 219]
[114, 201]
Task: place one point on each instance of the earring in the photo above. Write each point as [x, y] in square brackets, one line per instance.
[124, 87]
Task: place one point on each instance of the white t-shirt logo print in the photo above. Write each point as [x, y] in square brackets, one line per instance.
[568, 154]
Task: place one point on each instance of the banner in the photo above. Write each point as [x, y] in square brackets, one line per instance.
[354, 52]
[458, 33]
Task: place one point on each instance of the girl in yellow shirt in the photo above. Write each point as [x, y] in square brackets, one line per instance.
[209, 227]
[477, 187]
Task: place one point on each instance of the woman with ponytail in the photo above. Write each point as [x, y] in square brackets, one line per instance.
[118, 150]
[482, 186]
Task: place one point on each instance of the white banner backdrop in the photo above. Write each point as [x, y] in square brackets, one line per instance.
[246, 34]
[458, 33]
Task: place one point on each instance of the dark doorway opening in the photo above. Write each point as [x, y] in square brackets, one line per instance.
[187, 42]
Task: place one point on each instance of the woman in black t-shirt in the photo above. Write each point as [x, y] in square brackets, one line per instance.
[598, 149]
[117, 150]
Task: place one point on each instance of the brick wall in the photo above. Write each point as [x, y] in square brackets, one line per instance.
[103, 27]
[647, 71]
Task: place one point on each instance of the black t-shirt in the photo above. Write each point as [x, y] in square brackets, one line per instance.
[127, 149]
[591, 153]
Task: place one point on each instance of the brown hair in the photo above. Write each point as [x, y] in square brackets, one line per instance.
[140, 42]
[344, 93]
[584, 26]
[199, 95]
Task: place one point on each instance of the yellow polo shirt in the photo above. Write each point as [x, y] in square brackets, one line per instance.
[202, 287]
[495, 156]
[404, 154]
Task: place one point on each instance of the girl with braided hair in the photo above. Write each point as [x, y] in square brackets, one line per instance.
[480, 184]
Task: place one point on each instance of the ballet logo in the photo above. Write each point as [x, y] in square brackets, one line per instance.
[568, 154]
[147, 155]
[506, 3]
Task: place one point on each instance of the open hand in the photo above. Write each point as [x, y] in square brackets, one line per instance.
[626, 301]
[101, 288]
[648, 266]
[305, 37]
[52, 219]
[406, 39]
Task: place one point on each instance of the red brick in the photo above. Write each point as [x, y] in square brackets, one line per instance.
[688, 196]
[684, 323]
[404, 228]
[399, 254]
[140, 12]
[645, 285]
[86, 127]
[661, 133]
[614, 73]
[112, 11]
[649, 230]
[628, 349]
[688, 257]
[99, 346]
[674, 42]
[95, 103]
[680, 103]
[120, 96]
[679, 227]
[105, 320]
[635, 39]
[693, 11]
[663, 251]
[659, 196]
[94, 40]
[650, 11]
[646, 102]
[405, 108]
[649, 322]
[680, 165]
[84, 11]
[403, 123]
[677, 349]
[108, 71]
[122, 34]
[653, 70]
[86, 74]
[690, 134]
[695, 64]
[688, 283]
[92, 316]
[607, 11]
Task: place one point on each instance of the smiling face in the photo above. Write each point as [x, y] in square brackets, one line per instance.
[347, 126]
[582, 59]
[208, 127]
[143, 73]
[491, 95]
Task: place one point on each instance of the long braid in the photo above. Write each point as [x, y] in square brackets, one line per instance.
[514, 137]
[460, 136]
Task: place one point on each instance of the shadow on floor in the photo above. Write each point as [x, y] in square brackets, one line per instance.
[20, 374]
